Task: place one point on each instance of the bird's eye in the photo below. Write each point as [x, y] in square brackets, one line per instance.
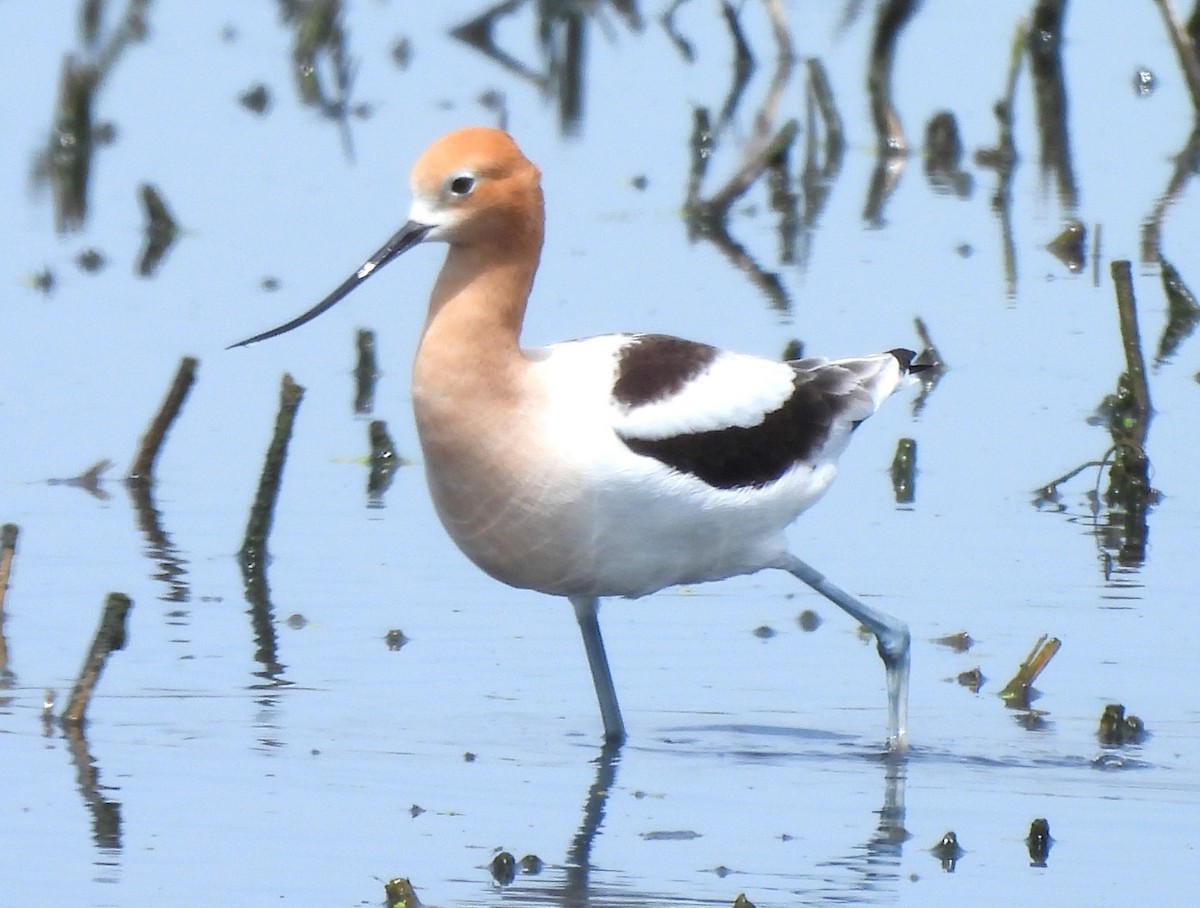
[462, 185]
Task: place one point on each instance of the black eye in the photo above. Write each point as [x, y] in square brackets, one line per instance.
[462, 185]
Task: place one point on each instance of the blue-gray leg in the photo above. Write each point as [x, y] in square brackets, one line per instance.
[891, 634]
[585, 613]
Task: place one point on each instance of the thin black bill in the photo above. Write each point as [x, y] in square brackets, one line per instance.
[404, 239]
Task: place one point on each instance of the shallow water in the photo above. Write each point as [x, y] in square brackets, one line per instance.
[302, 761]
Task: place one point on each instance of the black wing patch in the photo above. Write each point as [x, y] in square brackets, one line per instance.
[652, 367]
[751, 457]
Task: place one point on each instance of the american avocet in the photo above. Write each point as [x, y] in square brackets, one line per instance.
[614, 465]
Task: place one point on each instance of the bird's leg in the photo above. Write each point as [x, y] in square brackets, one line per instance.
[586, 608]
[891, 635]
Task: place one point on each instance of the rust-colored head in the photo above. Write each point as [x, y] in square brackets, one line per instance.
[475, 186]
[471, 188]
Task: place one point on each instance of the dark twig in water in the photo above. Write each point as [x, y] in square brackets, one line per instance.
[822, 160]
[1183, 313]
[1185, 47]
[766, 153]
[892, 146]
[1187, 163]
[889, 133]
[1131, 342]
[110, 636]
[1129, 412]
[258, 527]
[1050, 93]
[106, 814]
[172, 568]
[8, 551]
[160, 233]
[319, 34]
[752, 168]
[366, 371]
[1003, 158]
[904, 471]
[140, 482]
[142, 470]
[253, 555]
[667, 19]
[477, 33]
[743, 65]
[1017, 693]
[66, 162]
[1049, 494]
[821, 92]
[384, 461]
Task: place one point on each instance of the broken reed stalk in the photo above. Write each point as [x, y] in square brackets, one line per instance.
[254, 544]
[110, 636]
[1016, 692]
[142, 470]
[1135, 365]
[8, 550]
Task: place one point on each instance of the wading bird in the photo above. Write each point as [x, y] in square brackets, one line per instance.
[614, 465]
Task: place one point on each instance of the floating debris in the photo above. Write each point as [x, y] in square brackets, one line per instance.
[959, 642]
[402, 52]
[1068, 247]
[972, 680]
[808, 620]
[943, 156]
[1038, 841]
[1143, 82]
[43, 281]
[91, 260]
[256, 99]
[504, 868]
[1116, 728]
[948, 851]
[400, 894]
